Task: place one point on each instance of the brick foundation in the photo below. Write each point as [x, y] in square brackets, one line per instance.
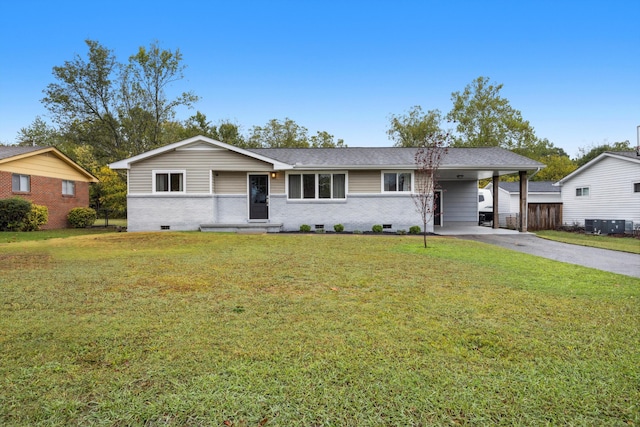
[48, 192]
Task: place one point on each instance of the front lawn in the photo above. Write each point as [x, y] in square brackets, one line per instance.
[623, 244]
[310, 330]
[25, 236]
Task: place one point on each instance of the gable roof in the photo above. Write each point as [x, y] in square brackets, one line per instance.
[472, 162]
[629, 156]
[184, 144]
[13, 153]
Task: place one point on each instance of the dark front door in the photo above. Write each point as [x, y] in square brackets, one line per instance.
[258, 197]
[437, 208]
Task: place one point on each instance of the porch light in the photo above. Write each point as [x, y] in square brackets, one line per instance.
[274, 175]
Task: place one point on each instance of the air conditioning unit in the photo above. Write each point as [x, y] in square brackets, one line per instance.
[608, 226]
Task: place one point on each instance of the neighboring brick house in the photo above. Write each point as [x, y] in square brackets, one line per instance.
[200, 183]
[44, 176]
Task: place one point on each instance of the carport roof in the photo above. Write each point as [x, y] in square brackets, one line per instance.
[470, 162]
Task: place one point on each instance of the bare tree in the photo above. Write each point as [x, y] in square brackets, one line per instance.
[428, 158]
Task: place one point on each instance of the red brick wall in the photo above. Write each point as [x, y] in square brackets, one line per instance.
[48, 192]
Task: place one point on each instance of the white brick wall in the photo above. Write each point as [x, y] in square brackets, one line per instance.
[150, 213]
[357, 212]
[230, 209]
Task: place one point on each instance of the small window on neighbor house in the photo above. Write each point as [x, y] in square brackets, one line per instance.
[170, 182]
[20, 183]
[68, 188]
[582, 192]
[636, 187]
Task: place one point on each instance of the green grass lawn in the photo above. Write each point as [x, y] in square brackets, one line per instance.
[623, 244]
[215, 329]
[21, 236]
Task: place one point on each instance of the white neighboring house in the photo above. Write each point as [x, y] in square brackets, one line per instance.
[539, 192]
[607, 188]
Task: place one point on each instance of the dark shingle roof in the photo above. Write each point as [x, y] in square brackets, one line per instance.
[14, 150]
[533, 187]
[631, 154]
[394, 157]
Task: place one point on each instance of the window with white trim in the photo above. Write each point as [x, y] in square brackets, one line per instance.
[636, 187]
[396, 181]
[68, 188]
[168, 181]
[317, 185]
[582, 192]
[20, 183]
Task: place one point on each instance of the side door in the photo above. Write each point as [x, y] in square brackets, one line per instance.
[437, 208]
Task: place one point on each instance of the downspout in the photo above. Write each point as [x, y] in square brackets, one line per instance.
[533, 174]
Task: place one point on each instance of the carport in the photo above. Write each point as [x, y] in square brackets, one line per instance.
[482, 163]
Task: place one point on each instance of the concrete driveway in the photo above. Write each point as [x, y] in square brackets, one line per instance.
[601, 259]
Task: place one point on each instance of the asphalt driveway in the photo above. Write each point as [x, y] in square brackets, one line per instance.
[601, 259]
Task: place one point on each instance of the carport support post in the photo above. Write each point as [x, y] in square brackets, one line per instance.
[496, 191]
[523, 202]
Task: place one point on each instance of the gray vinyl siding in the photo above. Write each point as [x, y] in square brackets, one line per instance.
[198, 164]
[459, 202]
[611, 195]
[277, 185]
[236, 183]
[367, 181]
[230, 183]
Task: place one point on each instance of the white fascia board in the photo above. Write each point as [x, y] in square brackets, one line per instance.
[514, 168]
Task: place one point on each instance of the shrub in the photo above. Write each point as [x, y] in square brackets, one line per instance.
[81, 217]
[319, 230]
[357, 232]
[305, 228]
[402, 232]
[338, 228]
[377, 228]
[414, 229]
[37, 216]
[13, 212]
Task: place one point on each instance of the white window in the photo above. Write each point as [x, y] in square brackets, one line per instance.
[582, 192]
[20, 183]
[68, 188]
[396, 181]
[636, 187]
[317, 186]
[168, 181]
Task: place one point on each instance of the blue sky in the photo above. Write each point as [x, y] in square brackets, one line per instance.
[571, 67]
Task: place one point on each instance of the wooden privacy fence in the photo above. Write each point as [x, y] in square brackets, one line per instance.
[544, 216]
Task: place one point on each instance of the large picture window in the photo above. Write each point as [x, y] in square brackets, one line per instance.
[20, 183]
[317, 186]
[397, 181]
[169, 181]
